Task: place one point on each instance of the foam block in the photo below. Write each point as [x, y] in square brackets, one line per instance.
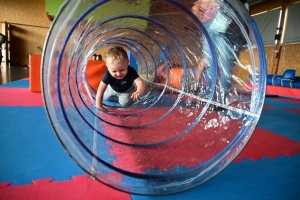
[95, 70]
[35, 72]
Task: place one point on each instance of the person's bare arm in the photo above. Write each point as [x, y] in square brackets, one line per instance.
[161, 71]
[140, 88]
[99, 97]
[201, 68]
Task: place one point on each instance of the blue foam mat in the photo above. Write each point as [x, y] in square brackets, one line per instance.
[281, 122]
[17, 84]
[264, 179]
[29, 149]
[279, 104]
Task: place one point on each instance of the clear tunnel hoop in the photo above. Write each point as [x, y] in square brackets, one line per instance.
[177, 136]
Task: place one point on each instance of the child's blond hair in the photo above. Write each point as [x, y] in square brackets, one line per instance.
[117, 53]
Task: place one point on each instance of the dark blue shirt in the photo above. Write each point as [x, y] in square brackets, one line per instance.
[120, 85]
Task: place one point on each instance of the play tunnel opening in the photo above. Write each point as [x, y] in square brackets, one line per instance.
[203, 65]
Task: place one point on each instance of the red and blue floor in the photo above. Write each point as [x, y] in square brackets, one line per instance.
[33, 164]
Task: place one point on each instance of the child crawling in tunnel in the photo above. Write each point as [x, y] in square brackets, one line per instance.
[120, 83]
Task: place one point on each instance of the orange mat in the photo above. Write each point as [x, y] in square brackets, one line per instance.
[175, 78]
[94, 72]
[35, 73]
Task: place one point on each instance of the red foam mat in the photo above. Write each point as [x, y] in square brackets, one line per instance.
[23, 98]
[283, 91]
[186, 151]
[264, 143]
[82, 187]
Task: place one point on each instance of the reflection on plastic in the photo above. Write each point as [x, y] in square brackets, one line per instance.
[204, 67]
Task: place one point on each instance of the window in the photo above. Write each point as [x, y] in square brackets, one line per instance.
[292, 32]
[267, 24]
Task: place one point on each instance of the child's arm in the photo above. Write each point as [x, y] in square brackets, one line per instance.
[99, 97]
[200, 69]
[140, 88]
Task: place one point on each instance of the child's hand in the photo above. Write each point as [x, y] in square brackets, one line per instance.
[135, 95]
[102, 109]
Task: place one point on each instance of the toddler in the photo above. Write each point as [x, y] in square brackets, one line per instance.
[120, 83]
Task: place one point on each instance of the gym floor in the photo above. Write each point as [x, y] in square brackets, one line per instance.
[13, 73]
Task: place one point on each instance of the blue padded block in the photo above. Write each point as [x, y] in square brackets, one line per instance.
[17, 84]
[269, 79]
[287, 83]
[274, 79]
[247, 180]
[289, 74]
[29, 149]
[288, 79]
[296, 83]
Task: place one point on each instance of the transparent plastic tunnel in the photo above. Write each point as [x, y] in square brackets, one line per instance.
[204, 68]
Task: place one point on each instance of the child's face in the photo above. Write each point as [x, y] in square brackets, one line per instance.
[118, 69]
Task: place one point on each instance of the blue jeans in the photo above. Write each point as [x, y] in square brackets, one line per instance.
[122, 98]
